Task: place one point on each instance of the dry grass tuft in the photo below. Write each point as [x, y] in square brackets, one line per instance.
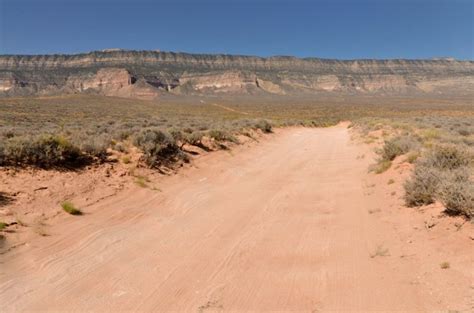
[70, 208]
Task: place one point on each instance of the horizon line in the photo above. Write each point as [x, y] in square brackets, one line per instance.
[115, 50]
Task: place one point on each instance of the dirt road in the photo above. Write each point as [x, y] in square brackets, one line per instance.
[284, 225]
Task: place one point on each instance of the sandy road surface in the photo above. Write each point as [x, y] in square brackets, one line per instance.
[282, 226]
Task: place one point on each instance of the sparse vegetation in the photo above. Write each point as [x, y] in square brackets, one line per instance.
[264, 126]
[443, 175]
[380, 251]
[413, 156]
[442, 152]
[398, 146]
[391, 149]
[421, 188]
[457, 195]
[28, 139]
[70, 208]
[159, 147]
[444, 265]
[142, 181]
[126, 159]
[381, 166]
[220, 135]
[435, 137]
[44, 151]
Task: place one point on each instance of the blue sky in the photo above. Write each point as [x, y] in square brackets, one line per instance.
[342, 29]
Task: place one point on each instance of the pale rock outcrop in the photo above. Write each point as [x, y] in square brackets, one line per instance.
[8, 82]
[112, 82]
[106, 79]
[219, 82]
[269, 86]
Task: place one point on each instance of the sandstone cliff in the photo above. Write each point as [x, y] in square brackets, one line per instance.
[147, 74]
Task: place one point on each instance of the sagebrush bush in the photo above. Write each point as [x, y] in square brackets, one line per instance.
[158, 147]
[220, 135]
[456, 193]
[194, 138]
[413, 156]
[95, 147]
[176, 134]
[447, 157]
[443, 175]
[421, 188]
[44, 151]
[430, 134]
[264, 126]
[398, 146]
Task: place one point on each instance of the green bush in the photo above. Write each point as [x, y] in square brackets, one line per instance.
[70, 208]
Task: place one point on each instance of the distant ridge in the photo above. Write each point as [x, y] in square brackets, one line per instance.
[149, 74]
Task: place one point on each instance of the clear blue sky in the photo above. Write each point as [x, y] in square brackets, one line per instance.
[344, 29]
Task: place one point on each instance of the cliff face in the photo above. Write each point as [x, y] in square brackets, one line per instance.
[147, 74]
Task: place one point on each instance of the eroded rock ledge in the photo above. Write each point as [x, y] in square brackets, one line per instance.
[148, 74]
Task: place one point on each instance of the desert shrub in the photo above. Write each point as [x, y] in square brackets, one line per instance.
[456, 193]
[95, 147]
[430, 134]
[126, 159]
[176, 134]
[421, 188]
[264, 126]
[220, 135]
[194, 138]
[142, 181]
[44, 151]
[413, 156]
[381, 166]
[443, 175]
[468, 141]
[123, 134]
[398, 146]
[158, 147]
[179, 136]
[120, 147]
[447, 157]
[464, 132]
